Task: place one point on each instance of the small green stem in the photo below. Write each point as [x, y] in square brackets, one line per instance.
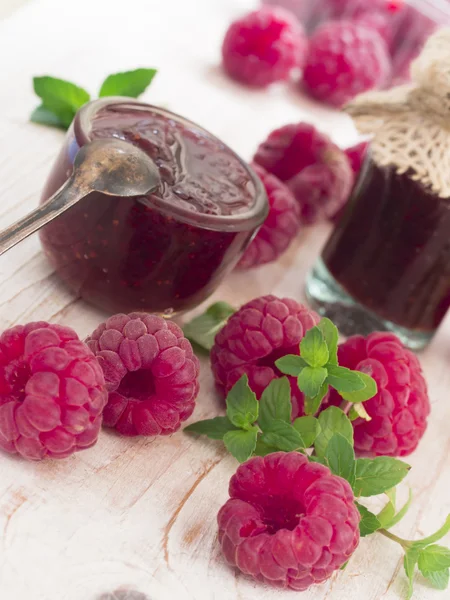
[405, 544]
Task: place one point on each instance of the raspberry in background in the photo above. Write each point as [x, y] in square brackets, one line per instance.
[289, 523]
[312, 166]
[52, 392]
[345, 58]
[151, 374]
[263, 47]
[356, 156]
[257, 335]
[280, 227]
[400, 409]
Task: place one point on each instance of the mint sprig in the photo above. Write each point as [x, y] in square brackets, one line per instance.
[202, 330]
[61, 99]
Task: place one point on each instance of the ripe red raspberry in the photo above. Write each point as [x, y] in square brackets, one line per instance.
[257, 335]
[52, 392]
[356, 156]
[400, 409]
[263, 47]
[289, 523]
[280, 227]
[151, 374]
[345, 58]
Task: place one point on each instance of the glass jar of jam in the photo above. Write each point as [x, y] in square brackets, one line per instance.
[387, 264]
[165, 252]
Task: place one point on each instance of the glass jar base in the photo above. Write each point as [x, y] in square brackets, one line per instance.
[330, 300]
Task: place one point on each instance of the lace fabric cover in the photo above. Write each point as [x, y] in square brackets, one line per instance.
[411, 123]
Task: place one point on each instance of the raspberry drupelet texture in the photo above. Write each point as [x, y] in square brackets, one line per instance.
[263, 47]
[52, 392]
[280, 227]
[289, 523]
[400, 409]
[151, 374]
[257, 335]
[345, 58]
[316, 171]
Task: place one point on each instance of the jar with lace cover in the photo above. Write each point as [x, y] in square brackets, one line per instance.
[387, 264]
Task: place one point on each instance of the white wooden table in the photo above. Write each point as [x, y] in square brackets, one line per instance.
[140, 514]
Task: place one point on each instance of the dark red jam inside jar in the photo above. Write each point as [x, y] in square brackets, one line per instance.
[391, 250]
[165, 252]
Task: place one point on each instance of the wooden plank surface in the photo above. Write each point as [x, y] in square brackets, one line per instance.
[140, 514]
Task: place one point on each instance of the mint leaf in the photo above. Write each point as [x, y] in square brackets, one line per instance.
[401, 513]
[332, 420]
[44, 116]
[213, 428]
[357, 411]
[376, 475]
[60, 97]
[314, 349]
[128, 83]
[275, 403]
[435, 537]
[263, 449]
[203, 329]
[241, 444]
[283, 436]
[316, 459]
[409, 563]
[369, 522]
[344, 380]
[242, 405]
[308, 428]
[340, 457]
[331, 335]
[386, 515]
[311, 379]
[291, 364]
[369, 391]
[434, 558]
[312, 405]
[438, 579]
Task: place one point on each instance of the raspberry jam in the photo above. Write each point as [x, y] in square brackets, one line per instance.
[165, 252]
[389, 256]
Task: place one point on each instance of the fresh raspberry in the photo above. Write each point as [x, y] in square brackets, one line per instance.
[289, 523]
[345, 58]
[280, 227]
[257, 335]
[52, 392]
[151, 374]
[264, 47]
[400, 409]
[312, 166]
[356, 156]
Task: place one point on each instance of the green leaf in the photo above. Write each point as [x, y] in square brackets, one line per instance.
[213, 428]
[312, 405]
[128, 83]
[203, 329]
[291, 364]
[283, 436]
[438, 579]
[340, 457]
[242, 405]
[241, 444]
[369, 522]
[316, 459]
[331, 335]
[332, 420]
[61, 97]
[357, 411]
[344, 380]
[308, 428]
[370, 390]
[435, 537]
[314, 349]
[376, 475]
[387, 514]
[409, 563]
[263, 449]
[275, 403]
[434, 558]
[401, 513]
[44, 116]
[311, 379]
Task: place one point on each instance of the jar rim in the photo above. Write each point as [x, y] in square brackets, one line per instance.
[250, 219]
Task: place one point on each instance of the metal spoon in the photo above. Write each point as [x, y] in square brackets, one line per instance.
[110, 166]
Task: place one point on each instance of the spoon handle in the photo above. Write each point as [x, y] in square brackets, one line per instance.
[64, 198]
